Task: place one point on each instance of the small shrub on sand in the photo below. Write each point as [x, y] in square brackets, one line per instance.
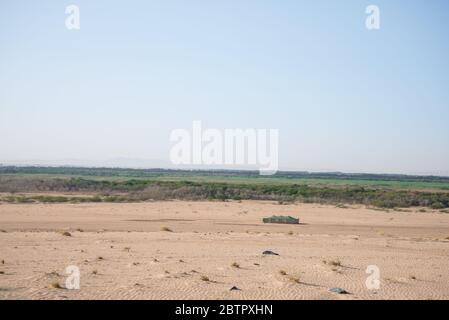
[294, 279]
[95, 272]
[2, 272]
[401, 210]
[335, 263]
[80, 230]
[413, 277]
[235, 265]
[166, 229]
[290, 233]
[205, 278]
[3, 261]
[55, 285]
[100, 258]
[337, 270]
[66, 233]
[282, 272]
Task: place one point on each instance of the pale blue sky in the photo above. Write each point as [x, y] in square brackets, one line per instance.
[343, 98]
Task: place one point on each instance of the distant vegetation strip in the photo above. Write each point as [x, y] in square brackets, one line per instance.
[331, 179]
[131, 190]
[124, 172]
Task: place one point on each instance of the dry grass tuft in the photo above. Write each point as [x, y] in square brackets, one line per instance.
[205, 278]
[235, 265]
[56, 285]
[335, 263]
[66, 233]
[294, 279]
[337, 270]
[282, 272]
[95, 272]
[166, 229]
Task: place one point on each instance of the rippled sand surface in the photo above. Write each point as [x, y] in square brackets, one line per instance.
[122, 252]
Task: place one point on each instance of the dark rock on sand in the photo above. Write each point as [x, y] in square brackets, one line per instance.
[339, 291]
[270, 252]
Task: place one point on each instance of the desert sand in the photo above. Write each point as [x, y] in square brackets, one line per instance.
[122, 251]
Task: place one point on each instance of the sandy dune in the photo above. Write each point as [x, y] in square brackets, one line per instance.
[123, 254]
